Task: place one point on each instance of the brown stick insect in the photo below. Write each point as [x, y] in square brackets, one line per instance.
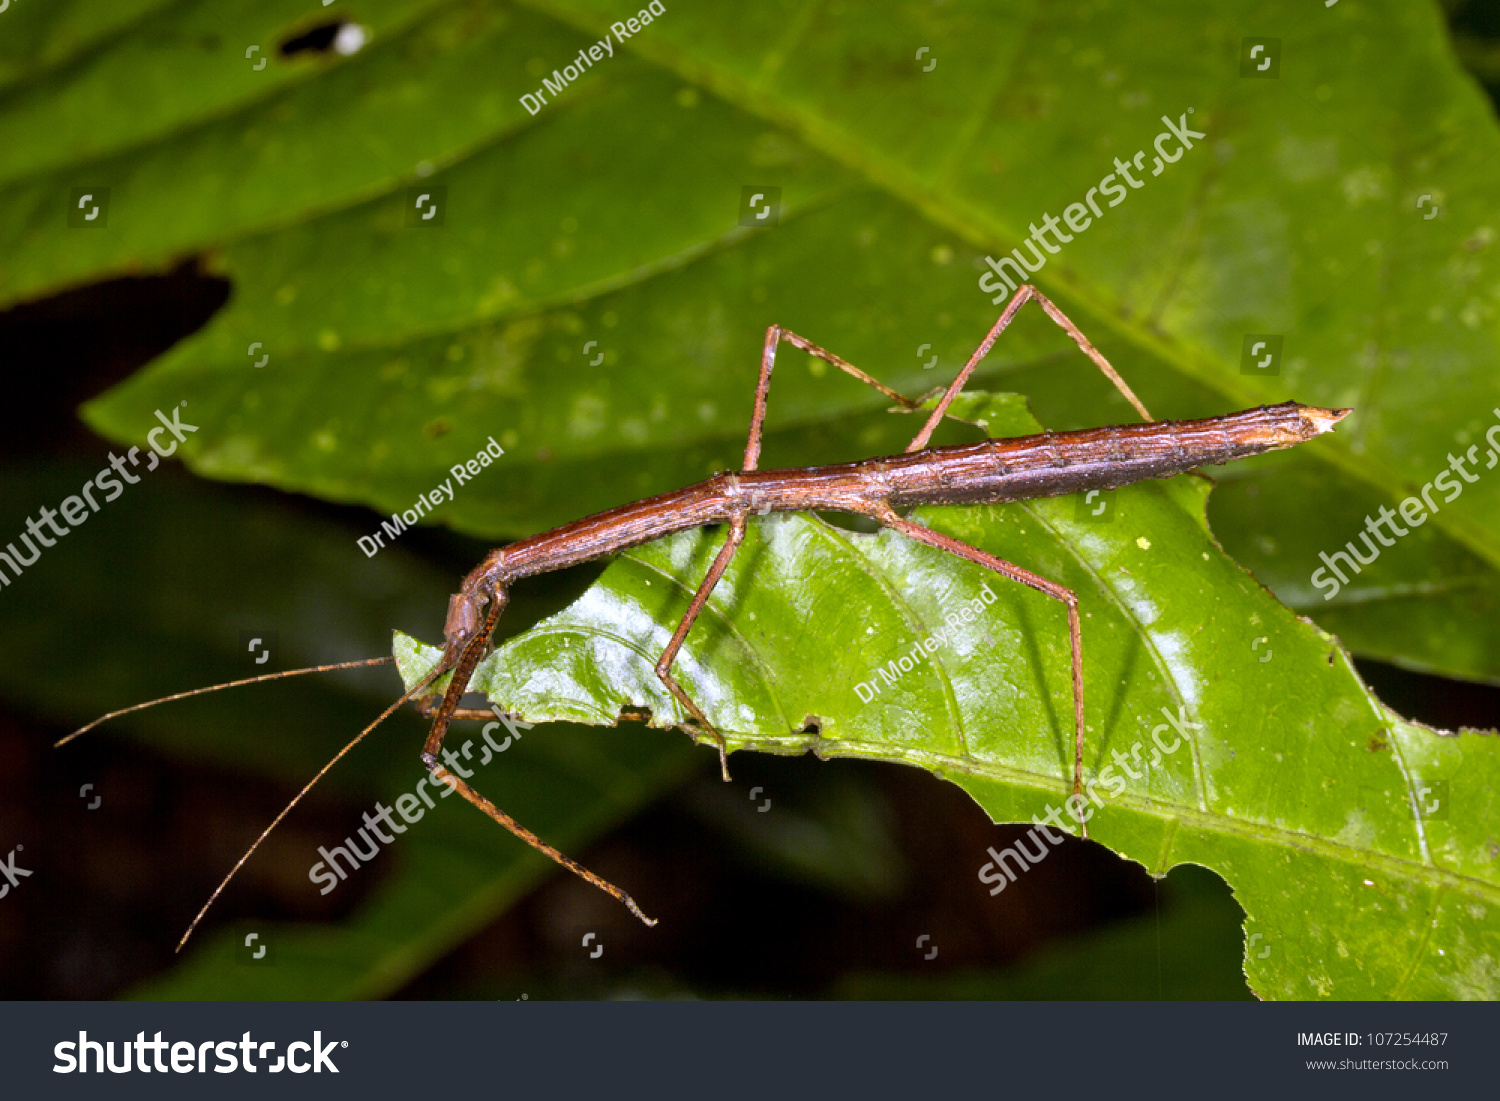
[993, 471]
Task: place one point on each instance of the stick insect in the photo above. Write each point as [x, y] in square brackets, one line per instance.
[993, 471]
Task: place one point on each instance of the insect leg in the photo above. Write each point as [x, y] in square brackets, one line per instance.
[664, 663]
[1023, 294]
[774, 334]
[890, 519]
[446, 777]
[429, 706]
[464, 668]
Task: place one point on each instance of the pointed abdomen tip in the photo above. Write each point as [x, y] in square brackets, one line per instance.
[1321, 420]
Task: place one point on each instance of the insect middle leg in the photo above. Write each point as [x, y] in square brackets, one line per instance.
[888, 516]
[664, 663]
[774, 335]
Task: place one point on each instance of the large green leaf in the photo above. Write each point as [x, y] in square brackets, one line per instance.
[608, 221]
[41, 36]
[1222, 729]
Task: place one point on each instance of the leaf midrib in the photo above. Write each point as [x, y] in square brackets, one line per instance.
[1432, 874]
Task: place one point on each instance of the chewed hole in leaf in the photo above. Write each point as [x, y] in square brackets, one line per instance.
[339, 36]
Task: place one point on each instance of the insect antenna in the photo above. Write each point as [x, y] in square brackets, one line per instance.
[415, 690]
[217, 687]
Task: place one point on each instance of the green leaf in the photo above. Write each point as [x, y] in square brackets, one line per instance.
[311, 146]
[608, 221]
[173, 70]
[1426, 602]
[42, 36]
[1222, 730]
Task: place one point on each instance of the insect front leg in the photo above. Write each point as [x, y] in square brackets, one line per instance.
[465, 609]
[468, 642]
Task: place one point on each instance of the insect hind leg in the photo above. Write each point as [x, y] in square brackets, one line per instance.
[1066, 596]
